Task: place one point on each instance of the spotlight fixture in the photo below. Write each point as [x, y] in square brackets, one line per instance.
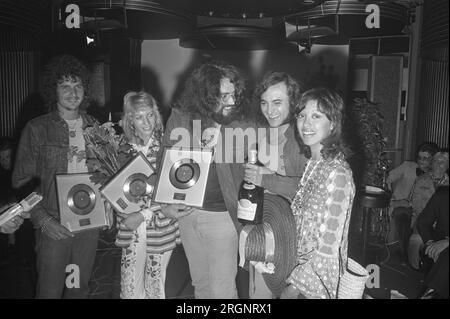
[90, 40]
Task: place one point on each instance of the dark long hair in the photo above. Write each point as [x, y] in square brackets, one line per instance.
[331, 104]
[57, 70]
[201, 91]
[294, 91]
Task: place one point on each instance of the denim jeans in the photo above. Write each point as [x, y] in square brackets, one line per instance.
[53, 256]
[211, 245]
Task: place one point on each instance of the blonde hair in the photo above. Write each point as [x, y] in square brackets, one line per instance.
[441, 155]
[133, 101]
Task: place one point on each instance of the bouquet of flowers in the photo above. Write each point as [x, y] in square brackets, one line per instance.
[103, 148]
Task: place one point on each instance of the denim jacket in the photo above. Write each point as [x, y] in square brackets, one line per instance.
[41, 154]
[230, 174]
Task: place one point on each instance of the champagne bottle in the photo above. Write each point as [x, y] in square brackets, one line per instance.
[250, 198]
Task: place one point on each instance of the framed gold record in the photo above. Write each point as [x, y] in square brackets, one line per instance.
[129, 184]
[183, 176]
[79, 202]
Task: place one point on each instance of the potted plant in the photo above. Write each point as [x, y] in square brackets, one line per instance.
[369, 165]
[370, 143]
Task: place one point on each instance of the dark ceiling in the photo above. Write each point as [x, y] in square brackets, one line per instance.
[224, 24]
[241, 8]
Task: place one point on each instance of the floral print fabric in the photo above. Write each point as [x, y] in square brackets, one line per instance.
[322, 208]
[142, 274]
[146, 251]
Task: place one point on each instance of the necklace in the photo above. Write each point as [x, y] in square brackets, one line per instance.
[72, 124]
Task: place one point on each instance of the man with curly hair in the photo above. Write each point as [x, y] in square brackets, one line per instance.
[214, 99]
[53, 144]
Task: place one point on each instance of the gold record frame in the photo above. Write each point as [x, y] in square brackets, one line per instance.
[79, 202]
[182, 176]
[120, 189]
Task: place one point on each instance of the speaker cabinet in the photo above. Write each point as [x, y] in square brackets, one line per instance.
[385, 88]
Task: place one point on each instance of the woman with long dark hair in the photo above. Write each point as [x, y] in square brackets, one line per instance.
[323, 203]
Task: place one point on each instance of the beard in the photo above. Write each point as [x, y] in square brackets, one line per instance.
[220, 118]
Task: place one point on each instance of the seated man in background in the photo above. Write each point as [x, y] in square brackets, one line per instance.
[432, 225]
[400, 181]
[421, 193]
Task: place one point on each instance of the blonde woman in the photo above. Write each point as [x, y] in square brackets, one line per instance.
[146, 236]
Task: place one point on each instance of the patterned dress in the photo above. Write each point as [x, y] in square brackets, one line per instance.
[322, 209]
[146, 251]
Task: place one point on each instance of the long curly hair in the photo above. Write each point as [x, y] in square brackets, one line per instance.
[59, 69]
[132, 101]
[294, 91]
[331, 104]
[201, 92]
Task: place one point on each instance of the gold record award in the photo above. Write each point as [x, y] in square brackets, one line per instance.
[125, 189]
[80, 204]
[183, 176]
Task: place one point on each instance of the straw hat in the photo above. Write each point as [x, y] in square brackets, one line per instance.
[272, 241]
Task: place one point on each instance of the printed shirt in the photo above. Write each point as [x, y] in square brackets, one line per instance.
[162, 232]
[76, 156]
[322, 209]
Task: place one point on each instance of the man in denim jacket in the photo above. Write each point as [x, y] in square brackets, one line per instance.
[53, 144]
[209, 111]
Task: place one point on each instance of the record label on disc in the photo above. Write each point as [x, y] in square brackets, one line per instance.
[81, 199]
[136, 186]
[184, 173]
